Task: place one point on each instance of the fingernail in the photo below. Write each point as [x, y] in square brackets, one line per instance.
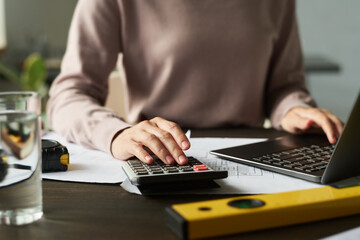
[148, 158]
[184, 144]
[309, 124]
[169, 159]
[182, 159]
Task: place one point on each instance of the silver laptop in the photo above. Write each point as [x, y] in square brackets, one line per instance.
[309, 157]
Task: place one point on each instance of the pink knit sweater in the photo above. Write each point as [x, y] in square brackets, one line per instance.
[200, 63]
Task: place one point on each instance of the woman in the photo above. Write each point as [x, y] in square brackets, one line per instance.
[204, 63]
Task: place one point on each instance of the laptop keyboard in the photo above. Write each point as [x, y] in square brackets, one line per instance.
[307, 159]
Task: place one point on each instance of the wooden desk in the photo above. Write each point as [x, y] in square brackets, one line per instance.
[96, 211]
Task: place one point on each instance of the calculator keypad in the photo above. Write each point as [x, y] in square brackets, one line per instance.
[143, 174]
[159, 167]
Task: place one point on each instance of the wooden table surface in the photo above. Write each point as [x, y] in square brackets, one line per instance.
[105, 211]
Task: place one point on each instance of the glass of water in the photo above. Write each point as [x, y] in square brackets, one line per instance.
[20, 158]
[20, 168]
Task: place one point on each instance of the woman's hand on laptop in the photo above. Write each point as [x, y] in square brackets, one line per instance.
[164, 138]
[301, 119]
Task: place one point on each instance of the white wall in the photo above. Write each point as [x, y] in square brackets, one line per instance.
[332, 28]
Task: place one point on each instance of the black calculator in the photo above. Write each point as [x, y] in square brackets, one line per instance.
[140, 173]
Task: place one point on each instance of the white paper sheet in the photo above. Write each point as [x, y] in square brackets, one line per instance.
[242, 179]
[87, 165]
[352, 234]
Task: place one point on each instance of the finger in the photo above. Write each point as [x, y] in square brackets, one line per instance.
[323, 121]
[338, 123]
[174, 130]
[156, 146]
[138, 151]
[169, 142]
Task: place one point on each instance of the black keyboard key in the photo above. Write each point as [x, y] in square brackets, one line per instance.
[291, 160]
[318, 165]
[315, 155]
[303, 163]
[311, 170]
[268, 161]
[278, 163]
[264, 158]
[304, 149]
[277, 155]
[321, 167]
[292, 165]
[302, 168]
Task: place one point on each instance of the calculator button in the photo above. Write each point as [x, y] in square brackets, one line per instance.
[135, 164]
[139, 168]
[193, 161]
[169, 167]
[187, 169]
[200, 167]
[133, 161]
[155, 169]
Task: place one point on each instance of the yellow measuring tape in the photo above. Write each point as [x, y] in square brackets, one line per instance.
[249, 213]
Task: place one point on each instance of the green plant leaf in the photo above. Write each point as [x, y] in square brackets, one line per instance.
[34, 72]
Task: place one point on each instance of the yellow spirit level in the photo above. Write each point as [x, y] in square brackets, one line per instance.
[248, 213]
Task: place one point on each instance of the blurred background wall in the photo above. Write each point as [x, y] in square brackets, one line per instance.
[331, 28]
[328, 28]
[37, 25]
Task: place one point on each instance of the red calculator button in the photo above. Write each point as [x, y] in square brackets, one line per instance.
[200, 167]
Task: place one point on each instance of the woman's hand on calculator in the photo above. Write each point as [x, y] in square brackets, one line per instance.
[164, 138]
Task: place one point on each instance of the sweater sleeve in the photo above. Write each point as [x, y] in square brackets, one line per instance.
[77, 96]
[286, 84]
